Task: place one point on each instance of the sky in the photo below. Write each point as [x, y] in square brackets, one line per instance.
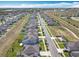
[39, 4]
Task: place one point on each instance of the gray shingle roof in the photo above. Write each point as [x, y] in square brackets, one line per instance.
[74, 53]
[73, 46]
[30, 51]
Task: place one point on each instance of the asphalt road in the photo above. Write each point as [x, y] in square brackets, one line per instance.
[51, 45]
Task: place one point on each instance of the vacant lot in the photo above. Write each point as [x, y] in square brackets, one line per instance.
[59, 31]
[65, 24]
[72, 22]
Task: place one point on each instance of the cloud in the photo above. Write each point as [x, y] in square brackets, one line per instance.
[75, 5]
[53, 5]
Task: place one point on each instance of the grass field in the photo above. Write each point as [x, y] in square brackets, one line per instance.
[66, 54]
[60, 43]
[64, 23]
[59, 31]
[12, 52]
[41, 46]
[72, 22]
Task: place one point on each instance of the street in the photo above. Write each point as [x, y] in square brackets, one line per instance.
[51, 44]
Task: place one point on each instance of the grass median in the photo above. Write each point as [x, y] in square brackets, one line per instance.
[41, 46]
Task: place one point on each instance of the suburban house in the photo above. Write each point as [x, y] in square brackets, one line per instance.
[73, 48]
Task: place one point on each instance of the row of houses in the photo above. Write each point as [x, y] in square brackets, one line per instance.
[50, 21]
[6, 25]
[30, 42]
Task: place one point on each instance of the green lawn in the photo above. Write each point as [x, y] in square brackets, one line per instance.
[61, 44]
[39, 29]
[66, 54]
[41, 46]
[39, 34]
[12, 52]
